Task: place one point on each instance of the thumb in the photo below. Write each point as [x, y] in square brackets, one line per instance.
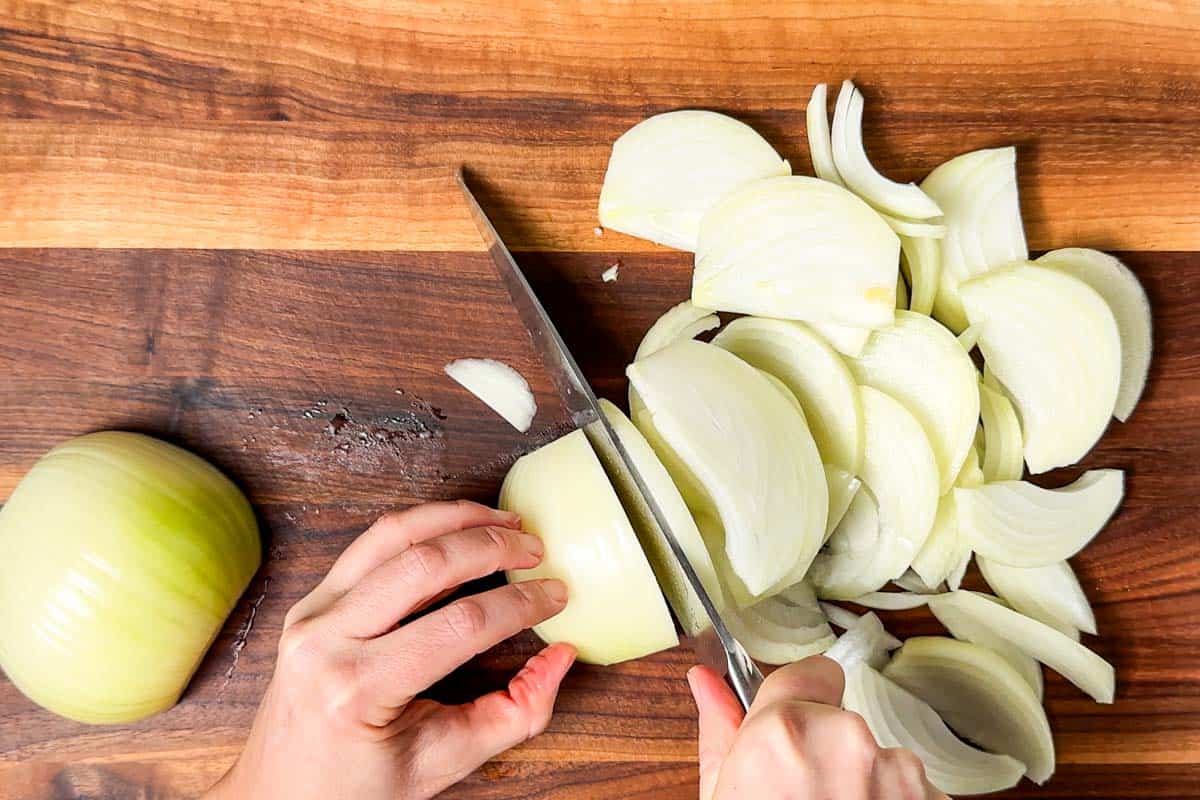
[720, 717]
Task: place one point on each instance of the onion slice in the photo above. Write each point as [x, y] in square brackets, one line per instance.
[893, 601]
[1003, 450]
[820, 149]
[898, 718]
[921, 261]
[682, 321]
[865, 641]
[1124, 294]
[965, 627]
[847, 340]
[897, 199]
[1073, 661]
[667, 171]
[777, 632]
[1018, 523]
[843, 487]
[1053, 343]
[839, 617]
[499, 386]
[901, 294]
[1050, 594]
[980, 696]
[941, 552]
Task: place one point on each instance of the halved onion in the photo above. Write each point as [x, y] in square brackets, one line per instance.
[978, 193]
[919, 363]
[905, 200]
[1050, 594]
[1053, 342]
[691, 614]
[820, 149]
[816, 375]
[741, 441]
[980, 696]
[898, 718]
[921, 261]
[1018, 523]
[1073, 661]
[797, 248]
[777, 632]
[616, 611]
[1003, 450]
[847, 340]
[964, 626]
[865, 641]
[682, 321]
[668, 170]
[499, 386]
[1124, 294]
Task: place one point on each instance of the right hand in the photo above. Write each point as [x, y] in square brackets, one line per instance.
[796, 742]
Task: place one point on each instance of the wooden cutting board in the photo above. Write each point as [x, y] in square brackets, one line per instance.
[231, 224]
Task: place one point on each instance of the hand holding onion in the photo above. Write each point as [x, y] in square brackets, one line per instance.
[340, 718]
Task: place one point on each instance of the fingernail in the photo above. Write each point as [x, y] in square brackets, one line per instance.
[556, 590]
[532, 544]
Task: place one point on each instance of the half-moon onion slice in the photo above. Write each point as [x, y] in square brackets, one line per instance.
[1050, 594]
[499, 386]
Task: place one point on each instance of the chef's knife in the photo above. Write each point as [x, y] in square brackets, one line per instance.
[716, 647]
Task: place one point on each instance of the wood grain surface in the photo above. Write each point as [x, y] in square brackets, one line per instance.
[226, 223]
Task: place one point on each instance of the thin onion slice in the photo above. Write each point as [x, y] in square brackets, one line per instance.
[904, 200]
[797, 248]
[1050, 594]
[816, 375]
[921, 261]
[820, 149]
[941, 552]
[1124, 294]
[847, 340]
[682, 321]
[980, 696]
[1003, 450]
[1018, 523]
[906, 228]
[893, 601]
[667, 171]
[910, 581]
[1053, 343]
[965, 627]
[865, 641]
[1073, 661]
[898, 718]
[840, 617]
[955, 578]
[499, 386]
[842, 488]
[775, 632]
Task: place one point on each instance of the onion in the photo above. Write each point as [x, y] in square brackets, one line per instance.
[741, 441]
[1050, 594]
[842, 488]
[906, 228]
[777, 632]
[683, 321]
[847, 340]
[922, 263]
[499, 386]
[955, 578]
[816, 375]
[1073, 661]
[969, 338]
[820, 149]
[978, 193]
[667, 171]
[686, 605]
[1053, 343]
[941, 552]
[609, 275]
[864, 642]
[1018, 523]
[901, 293]
[1003, 450]
[898, 718]
[980, 696]
[912, 582]
[838, 617]
[123, 555]
[861, 554]
[964, 626]
[797, 248]
[919, 363]
[616, 611]
[893, 601]
[1124, 294]
[897, 199]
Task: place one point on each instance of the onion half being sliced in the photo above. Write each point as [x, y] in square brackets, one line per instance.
[616, 611]
[667, 171]
[1018, 523]
[499, 386]
[1053, 343]
[980, 696]
[898, 718]
[1124, 294]
[797, 248]
[1050, 594]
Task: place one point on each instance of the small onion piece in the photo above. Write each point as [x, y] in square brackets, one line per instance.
[797, 248]
[1069, 658]
[1050, 594]
[682, 321]
[667, 171]
[898, 718]
[845, 339]
[980, 696]
[865, 641]
[1124, 294]
[1003, 450]
[921, 260]
[965, 627]
[820, 149]
[1053, 343]
[904, 200]
[617, 611]
[1023, 525]
[499, 386]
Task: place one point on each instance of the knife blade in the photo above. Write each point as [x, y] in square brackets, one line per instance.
[717, 647]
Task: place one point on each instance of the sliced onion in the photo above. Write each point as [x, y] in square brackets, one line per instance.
[775, 632]
[964, 626]
[683, 321]
[820, 150]
[1018, 523]
[893, 601]
[616, 611]
[862, 554]
[1124, 294]
[1053, 342]
[1050, 594]
[969, 338]
[667, 171]
[897, 199]
[1073, 661]
[978, 193]
[1003, 450]
[901, 293]
[955, 578]
[839, 617]
[912, 582]
[906, 228]
[897, 718]
[741, 441]
[816, 375]
[691, 614]
[980, 696]
[865, 641]
[842, 488]
[797, 248]
[941, 552]
[922, 263]
[846, 340]
[919, 363]
[499, 386]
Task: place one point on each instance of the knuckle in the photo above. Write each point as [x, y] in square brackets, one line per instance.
[466, 619]
[777, 725]
[300, 645]
[856, 737]
[497, 541]
[530, 598]
[424, 561]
